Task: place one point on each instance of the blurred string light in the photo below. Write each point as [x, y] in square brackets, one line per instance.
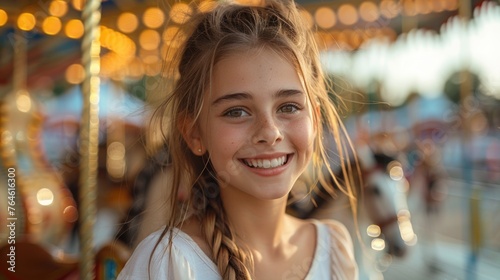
[26, 21]
[180, 13]
[422, 61]
[378, 244]
[127, 22]
[206, 6]
[45, 197]
[325, 17]
[75, 74]
[348, 14]
[51, 25]
[149, 39]
[368, 11]
[74, 29]
[58, 8]
[153, 17]
[78, 4]
[3, 17]
[406, 228]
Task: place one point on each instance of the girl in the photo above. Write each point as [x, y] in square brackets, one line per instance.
[246, 117]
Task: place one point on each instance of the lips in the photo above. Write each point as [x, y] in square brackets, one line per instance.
[266, 163]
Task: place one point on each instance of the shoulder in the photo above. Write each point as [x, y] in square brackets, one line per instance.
[156, 258]
[341, 250]
[146, 259]
[337, 229]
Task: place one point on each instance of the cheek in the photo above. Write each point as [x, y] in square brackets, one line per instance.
[222, 142]
[304, 134]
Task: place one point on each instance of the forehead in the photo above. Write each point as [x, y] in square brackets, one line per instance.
[254, 70]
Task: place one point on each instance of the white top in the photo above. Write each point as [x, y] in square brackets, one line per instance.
[333, 257]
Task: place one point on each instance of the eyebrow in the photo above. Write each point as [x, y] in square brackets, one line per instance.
[245, 96]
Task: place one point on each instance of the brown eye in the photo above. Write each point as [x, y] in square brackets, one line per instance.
[235, 113]
[289, 108]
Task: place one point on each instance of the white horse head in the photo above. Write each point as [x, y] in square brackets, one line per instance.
[382, 202]
[384, 199]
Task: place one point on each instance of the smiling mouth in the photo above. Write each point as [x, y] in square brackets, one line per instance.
[266, 163]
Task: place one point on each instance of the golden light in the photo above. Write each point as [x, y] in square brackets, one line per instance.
[409, 8]
[423, 6]
[368, 11]
[75, 74]
[378, 244]
[74, 29]
[149, 57]
[373, 231]
[207, 6]
[3, 17]
[26, 21]
[58, 8]
[347, 14]
[180, 13]
[149, 39]
[127, 22]
[51, 25]
[23, 101]
[78, 4]
[70, 214]
[45, 197]
[406, 229]
[115, 163]
[20, 136]
[396, 172]
[325, 17]
[153, 17]
[389, 8]
[116, 151]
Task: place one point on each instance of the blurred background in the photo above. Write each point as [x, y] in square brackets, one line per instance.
[416, 80]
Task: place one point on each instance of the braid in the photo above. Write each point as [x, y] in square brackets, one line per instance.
[232, 261]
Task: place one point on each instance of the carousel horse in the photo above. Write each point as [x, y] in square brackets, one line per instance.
[41, 210]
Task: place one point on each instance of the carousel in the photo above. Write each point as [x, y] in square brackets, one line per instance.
[78, 78]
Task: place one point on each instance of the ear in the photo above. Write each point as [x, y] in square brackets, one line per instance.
[192, 136]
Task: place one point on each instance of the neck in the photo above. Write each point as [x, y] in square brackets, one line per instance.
[258, 224]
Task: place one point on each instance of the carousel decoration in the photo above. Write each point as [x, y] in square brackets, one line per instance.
[42, 210]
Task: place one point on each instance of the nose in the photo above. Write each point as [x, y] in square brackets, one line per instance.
[267, 131]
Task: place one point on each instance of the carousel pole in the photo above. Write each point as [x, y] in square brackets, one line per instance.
[89, 135]
[473, 227]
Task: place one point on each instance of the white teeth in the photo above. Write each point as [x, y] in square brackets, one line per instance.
[266, 163]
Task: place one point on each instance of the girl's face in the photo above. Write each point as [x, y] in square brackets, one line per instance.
[257, 125]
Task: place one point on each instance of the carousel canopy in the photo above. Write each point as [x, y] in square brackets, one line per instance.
[135, 33]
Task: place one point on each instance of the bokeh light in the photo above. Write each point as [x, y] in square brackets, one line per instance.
[51, 25]
[153, 18]
[26, 21]
[127, 22]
